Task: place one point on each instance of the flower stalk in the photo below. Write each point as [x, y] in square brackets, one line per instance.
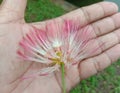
[63, 77]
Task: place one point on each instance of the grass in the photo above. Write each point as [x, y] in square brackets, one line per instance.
[107, 81]
[38, 10]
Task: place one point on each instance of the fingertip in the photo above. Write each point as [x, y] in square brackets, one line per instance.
[116, 20]
[109, 7]
[86, 68]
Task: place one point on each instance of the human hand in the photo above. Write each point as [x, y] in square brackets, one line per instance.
[102, 17]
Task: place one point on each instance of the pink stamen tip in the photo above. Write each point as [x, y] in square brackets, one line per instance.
[75, 63]
[30, 39]
[22, 44]
[21, 54]
[45, 74]
[25, 78]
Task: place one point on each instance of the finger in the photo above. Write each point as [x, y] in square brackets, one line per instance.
[93, 12]
[106, 25]
[17, 6]
[91, 66]
[102, 43]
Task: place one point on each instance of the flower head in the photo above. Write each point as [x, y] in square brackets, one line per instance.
[55, 45]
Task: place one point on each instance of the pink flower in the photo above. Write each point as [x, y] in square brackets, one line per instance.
[58, 44]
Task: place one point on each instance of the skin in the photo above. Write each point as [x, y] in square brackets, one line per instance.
[106, 29]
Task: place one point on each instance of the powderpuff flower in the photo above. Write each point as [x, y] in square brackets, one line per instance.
[59, 43]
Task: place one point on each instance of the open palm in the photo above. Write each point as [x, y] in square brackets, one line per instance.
[104, 22]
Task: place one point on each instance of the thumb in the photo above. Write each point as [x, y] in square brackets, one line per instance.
[17, 6]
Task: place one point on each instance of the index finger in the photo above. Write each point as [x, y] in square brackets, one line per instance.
[93, 12]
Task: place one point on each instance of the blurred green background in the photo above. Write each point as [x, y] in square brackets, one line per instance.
[83, 2]
[38, 10]
[107, 81]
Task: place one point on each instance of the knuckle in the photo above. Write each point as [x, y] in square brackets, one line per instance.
[86, 14]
